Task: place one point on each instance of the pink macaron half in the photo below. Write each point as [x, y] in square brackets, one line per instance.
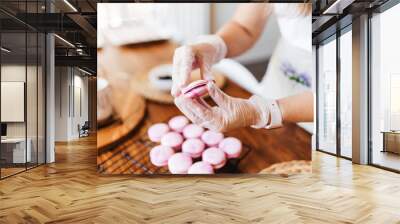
[212, 138]
[172, 139]
[177, 123]
[156, 131]
[196, 88]
[193, 131]
[214, 156]
[231, 146]
[179, 163]
[159, 155]
[194, 147]
[201, 167]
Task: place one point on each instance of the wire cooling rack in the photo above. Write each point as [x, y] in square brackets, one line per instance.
[132, 157]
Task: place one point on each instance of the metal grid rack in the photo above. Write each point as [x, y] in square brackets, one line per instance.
[132, 157]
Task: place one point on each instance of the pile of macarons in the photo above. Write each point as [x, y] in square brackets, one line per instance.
[187, 148]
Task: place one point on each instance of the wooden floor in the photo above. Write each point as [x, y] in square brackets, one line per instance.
[70, 191]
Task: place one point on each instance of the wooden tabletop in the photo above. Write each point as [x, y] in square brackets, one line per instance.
[267, 146]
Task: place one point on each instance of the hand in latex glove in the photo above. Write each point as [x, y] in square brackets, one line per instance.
[207, 51]
[229, 113]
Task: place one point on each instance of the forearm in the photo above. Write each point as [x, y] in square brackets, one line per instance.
[246, 26]
[297, 108]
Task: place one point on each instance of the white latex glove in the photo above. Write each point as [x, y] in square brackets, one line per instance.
[206, 51]
[230, 112]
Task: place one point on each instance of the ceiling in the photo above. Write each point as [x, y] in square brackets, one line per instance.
[72, 20]
[331, 15]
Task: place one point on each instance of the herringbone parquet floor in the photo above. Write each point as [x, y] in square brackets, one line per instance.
[70, 191]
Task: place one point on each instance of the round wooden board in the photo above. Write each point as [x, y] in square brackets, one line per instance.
[142, 85]
[129, 110]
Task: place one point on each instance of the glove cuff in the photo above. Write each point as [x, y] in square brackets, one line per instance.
[217, 42]
[266, 108]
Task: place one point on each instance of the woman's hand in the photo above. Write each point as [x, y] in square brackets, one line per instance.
[207, 51]
[230, 112]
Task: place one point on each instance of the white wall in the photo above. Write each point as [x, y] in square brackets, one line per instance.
[61, 103]
[264, 47]
[14, 73]
[17, 73]
[68, 83]
[33, 126]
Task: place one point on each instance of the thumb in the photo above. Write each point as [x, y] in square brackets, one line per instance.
[219, 97]
[182, 66]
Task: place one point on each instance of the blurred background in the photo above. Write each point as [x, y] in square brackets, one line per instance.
[182, 22]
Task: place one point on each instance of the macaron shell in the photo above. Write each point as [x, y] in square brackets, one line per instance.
[156, 131]
[212, 138]
[197, 92]
[193, 131]
[178, 123]
[194, 147]
[215, 156]
[194, 84]
[201, 167]
[179, 163]
[159, 155]
[231, 146]
[172, 139]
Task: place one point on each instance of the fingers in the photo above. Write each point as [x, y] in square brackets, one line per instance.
[203, 103]
[205, 69]
[219, 97]
[182, 66]
[188, 108]
[216, 123]
[197, 110]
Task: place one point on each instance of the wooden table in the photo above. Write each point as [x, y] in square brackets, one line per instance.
[267, 146]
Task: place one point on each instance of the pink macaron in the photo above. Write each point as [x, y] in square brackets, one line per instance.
[196, 88]
[201, 167]
[212, 138]
[193, 131]
[177, 123]
[214, 156]
[193, 147]
[160, 154]
[156, 131]
[172, 139]
[179, 163]
[231, 146]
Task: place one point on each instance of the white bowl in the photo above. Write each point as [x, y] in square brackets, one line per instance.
[160, 77]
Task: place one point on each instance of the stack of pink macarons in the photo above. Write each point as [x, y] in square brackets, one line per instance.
[189, 149]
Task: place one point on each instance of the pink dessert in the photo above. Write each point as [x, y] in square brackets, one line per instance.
[172, 139]
[159, 155]
[214, 156]
[193, 131]
[179, 163]
[231, 146]
[193, 147]
[197, 88]
[156, 131]
[177, 123]
[201, 168]
[212, 138]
